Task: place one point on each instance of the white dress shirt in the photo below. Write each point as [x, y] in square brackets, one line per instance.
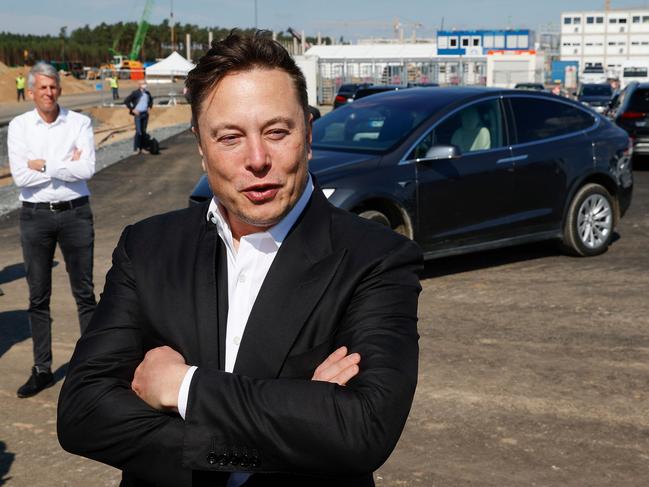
[247, 269]
[30, 137]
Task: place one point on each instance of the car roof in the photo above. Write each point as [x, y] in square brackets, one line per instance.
[441, 99]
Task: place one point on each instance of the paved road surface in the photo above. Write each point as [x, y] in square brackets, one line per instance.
[534, 366]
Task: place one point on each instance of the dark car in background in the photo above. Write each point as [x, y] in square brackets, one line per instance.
[631, 112]
[467, 169]
[373, 90]
[346, 93]
[595, 95]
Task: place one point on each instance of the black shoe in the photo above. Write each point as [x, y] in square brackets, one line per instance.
[36, 383]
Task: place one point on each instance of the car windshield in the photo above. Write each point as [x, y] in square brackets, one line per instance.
[596, 90]
[376, 124]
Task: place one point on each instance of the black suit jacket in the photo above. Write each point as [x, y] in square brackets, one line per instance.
[336, 280]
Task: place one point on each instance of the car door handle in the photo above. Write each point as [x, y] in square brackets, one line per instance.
[505, 160]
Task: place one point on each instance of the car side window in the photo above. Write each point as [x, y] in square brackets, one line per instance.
[538, 119]
[477, 127]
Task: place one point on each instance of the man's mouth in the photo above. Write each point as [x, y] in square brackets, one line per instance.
[261, 193]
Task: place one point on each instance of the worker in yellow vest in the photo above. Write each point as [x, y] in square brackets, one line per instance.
[114, 85]
[20, 87]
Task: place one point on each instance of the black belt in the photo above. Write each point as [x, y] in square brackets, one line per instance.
[58, 205]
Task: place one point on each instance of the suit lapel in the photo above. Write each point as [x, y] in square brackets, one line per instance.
[299, 275]
[205, 298]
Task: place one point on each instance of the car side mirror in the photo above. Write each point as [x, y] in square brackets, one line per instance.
[440, 152]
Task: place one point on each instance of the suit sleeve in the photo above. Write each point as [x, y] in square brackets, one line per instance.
[99, 416]
[303, 426]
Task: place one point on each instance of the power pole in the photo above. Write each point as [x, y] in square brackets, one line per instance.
[173, 34]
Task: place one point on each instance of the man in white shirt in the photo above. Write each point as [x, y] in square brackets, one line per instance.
[52, 155]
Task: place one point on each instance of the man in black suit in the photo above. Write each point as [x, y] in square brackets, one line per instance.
[266, 338]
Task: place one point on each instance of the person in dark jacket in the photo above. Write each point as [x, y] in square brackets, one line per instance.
[139, 102]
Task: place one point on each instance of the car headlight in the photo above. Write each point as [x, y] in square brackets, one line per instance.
[328, 192]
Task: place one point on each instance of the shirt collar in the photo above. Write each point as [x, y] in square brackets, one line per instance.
[277, 232]
[61, 118]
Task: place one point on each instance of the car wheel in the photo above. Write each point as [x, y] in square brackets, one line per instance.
[376, 216]
[590, 221]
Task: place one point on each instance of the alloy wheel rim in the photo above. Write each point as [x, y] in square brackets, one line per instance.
[594, 221]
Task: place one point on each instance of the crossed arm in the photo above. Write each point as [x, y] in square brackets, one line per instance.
[158, 378]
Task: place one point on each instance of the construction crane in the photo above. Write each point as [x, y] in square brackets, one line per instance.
[131, 63]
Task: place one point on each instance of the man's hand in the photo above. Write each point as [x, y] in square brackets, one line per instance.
[36, 164]
[338, 367]
[76, 154]
[158, 378]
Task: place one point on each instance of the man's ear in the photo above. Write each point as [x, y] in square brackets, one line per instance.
[309, 136]
[198, 145]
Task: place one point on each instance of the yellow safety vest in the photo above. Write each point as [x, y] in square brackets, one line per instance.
[20, 83]
[113, 82]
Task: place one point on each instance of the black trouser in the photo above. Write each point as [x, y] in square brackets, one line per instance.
[40, 230]
[141, 120]
[20, 93]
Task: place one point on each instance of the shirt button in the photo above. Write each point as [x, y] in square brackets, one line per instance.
[236, 340]
[242, 278]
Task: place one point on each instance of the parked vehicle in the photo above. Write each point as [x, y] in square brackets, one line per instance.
[634, 71]
[346, 93]
[467, 169]
[631, 112]
[373, 90]
[593, 75]
[530, 86]
[596, 96]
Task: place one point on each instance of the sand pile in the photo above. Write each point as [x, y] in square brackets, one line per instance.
[8, 75]
[115, 123]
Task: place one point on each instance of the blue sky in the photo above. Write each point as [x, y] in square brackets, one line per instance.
[349, 18]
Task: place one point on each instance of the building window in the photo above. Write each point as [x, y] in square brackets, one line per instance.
[621, 21]
[611, 43]
[488, 41]
[589, 44]
[635, 43]
[442, 42]
[475, 41]
[612, 21]
[645, 19]
[523, 42]
[576, 20]
[590, 20]
[499, 42]
[636, 19]
[567, 20]
[452, 41]
[599, 20]
[511, 42]
[465, 42]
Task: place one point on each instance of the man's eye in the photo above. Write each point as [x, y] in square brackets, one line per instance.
[277, 134]
[228, 139]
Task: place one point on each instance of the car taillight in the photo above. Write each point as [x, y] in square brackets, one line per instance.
[341, 99]
[633, 115]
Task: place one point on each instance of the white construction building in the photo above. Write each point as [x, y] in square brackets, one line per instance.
[607, 39]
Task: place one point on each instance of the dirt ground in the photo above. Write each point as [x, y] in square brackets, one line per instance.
[534, 366]
[115, 123]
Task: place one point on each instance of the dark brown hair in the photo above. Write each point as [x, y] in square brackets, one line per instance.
[241, 53]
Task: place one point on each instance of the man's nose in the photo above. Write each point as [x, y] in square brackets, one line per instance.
[258, 159]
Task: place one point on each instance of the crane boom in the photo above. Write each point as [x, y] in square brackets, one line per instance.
[142, 28]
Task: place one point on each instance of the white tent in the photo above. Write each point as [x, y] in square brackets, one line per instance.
[172, 65]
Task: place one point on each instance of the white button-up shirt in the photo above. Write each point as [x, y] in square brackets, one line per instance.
[247, 269]
[30, 137]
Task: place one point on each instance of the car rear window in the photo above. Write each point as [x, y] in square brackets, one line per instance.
[596, 90]
[639, 101]
[538, 118]
[371, 126]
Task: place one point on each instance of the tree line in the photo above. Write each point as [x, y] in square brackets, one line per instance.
[92, 45]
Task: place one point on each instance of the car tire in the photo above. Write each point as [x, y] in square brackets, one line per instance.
[589, 224]
[376, 216]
